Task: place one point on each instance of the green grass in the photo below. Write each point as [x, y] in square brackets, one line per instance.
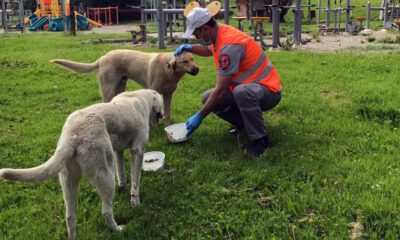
[335, 158]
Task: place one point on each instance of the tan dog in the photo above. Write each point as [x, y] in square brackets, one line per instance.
[86, 147]
[157, 71]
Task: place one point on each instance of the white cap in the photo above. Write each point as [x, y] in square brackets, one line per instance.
[195, 19]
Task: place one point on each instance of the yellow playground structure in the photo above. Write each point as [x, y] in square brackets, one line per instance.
[49, 15]
[49, 8]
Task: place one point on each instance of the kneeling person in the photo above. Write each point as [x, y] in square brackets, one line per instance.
[247, 83]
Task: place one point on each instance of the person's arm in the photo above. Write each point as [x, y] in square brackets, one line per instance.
[221, 88]
[228, 62]
[196, 49]
[201, 50]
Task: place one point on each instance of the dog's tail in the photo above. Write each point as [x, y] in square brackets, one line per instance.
[64, 152]
[77, 66]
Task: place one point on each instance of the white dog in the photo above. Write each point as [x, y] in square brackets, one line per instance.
[157, 71]
[86, 147]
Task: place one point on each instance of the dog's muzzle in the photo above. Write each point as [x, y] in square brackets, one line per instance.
[194, 71]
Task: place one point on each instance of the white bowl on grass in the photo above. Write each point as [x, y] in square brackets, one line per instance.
[153, 161]
[176, 133]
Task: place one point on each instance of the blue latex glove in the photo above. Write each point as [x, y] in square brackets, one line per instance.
[193, 123]
[181, 48]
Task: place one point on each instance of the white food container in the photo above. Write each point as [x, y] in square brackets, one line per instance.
[153, 161]
[176, 133]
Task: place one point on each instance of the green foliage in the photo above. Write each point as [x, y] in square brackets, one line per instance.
[316, 35]
[390, 40]
[287, 45]
[371, 39]
[335, 158]
[152, 40]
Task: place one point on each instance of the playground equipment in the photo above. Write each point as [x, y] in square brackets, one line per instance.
[50, 14]
[215, 8]
[5, 12]
[276, 11]
[96, 13]
[162, 15]
[259, 30]
[256, 8]
[240, 22]
[337, 13]
[391, 15]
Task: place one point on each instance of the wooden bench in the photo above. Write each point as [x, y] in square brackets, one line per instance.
[240, 22]
[259, 25]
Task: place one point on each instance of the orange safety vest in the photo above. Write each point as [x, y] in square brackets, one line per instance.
[255, 67]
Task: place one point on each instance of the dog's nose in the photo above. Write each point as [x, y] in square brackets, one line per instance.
[194, 71]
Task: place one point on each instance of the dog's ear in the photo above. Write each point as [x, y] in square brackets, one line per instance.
[157, 103]
[171, 65]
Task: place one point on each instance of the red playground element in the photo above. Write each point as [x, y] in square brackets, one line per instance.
[105, 12]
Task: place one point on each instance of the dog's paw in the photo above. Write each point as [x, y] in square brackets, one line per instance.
[117, 228]
[135, 200]
[120, 227]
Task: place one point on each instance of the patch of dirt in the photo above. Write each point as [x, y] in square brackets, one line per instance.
[331, 42]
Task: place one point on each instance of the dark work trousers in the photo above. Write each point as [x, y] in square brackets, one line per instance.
[243, 107]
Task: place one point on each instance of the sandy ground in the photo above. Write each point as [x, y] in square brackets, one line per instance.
[331, 42]
[328, 42]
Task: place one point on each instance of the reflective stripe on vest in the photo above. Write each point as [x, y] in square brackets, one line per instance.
[245, 75]
[256, 67]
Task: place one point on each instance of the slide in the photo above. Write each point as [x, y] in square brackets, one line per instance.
[39, 24]
[90, 20]
[94, 23]
[32, 16]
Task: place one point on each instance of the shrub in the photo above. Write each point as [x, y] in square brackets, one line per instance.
[371, 39]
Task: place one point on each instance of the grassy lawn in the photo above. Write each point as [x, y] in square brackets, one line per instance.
[335, 158]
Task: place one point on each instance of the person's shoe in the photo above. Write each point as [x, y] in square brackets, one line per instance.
[234, 130]
[258, 146]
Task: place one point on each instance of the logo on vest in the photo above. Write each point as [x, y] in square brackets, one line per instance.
[224, 61]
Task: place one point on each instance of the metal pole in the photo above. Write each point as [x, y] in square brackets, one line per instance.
[328, 13]
[64, 12]
[346, 20]
[275, 24]
[4, 16]
[226, 14]
[368, 15]
[319, 13]
[174, 16]
[72, 16]
[21, 15]
[142, 15]
[251, 14]
[160, 23]
[170, 22]
[297, 24]
[385, 15]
